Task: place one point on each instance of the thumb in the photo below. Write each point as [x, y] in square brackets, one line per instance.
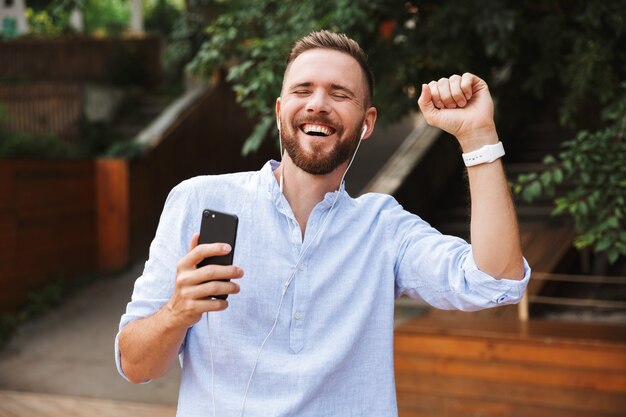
[425, 102]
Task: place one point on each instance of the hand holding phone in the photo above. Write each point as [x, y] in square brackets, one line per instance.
[217, 227]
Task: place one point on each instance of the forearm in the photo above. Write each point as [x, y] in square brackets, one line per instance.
[494, 230]
[149, 346]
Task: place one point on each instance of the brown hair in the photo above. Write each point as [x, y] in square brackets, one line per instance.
[324, 39]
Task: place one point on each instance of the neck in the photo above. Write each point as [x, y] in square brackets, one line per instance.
[303, 190]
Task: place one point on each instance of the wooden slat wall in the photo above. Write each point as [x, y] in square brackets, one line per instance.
[492, 368]
[82, 58]
[49, 225]
[43, 108]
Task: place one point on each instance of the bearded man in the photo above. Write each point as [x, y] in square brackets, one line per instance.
[309, 330]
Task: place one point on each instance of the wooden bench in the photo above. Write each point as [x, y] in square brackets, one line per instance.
[498, 368]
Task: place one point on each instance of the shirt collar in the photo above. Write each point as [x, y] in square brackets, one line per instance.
[269, 182]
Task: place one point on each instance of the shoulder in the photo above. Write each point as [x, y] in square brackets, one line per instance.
[376, 202]
[387, 209]
[209, 184]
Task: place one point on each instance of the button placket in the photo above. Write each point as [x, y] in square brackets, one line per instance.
[298, 311]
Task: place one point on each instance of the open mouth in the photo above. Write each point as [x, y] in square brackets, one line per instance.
[317, 130]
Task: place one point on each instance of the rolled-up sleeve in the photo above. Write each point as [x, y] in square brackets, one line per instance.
[441, 269]
[155, 286]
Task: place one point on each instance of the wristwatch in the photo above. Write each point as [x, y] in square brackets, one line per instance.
[484, 155]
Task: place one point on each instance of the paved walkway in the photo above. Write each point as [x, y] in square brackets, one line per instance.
[69, 352]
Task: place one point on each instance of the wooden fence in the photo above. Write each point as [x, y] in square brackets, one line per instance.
[82, 58]
[59, 219]
[43, 108]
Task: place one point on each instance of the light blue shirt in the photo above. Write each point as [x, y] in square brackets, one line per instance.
[331, 353]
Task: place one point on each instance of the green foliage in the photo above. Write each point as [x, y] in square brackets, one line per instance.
[39, 302]
[593, 165]
[8, 324]
[28, 145]
[184, 41]
[105, 16]
[108, 17]
[125, 149]
[161, 15]
[96, 139]
[41, 23]
[568, 54]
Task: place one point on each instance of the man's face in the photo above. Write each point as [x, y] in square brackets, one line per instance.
[321, 109]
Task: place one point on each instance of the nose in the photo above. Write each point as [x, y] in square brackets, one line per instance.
[318, 103]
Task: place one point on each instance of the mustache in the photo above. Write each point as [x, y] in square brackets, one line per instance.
[321, 119]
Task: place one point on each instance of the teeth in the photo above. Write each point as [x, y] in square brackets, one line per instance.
[311, 128]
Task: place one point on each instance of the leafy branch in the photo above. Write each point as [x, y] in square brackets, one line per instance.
[594, 166]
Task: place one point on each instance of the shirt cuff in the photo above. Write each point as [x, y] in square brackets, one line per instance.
[498, 291]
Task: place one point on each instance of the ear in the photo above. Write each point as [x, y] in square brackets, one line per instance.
[369, 121]
[277, 112]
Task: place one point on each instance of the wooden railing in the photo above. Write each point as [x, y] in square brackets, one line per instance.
[587, 302]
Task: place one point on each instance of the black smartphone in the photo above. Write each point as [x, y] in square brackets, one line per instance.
[218, 227]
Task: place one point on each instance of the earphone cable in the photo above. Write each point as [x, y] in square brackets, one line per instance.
[285, 286]
[293, 274]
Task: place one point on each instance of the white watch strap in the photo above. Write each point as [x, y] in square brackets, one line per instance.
[484, 155]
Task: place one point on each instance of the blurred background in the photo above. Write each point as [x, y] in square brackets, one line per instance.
[105, 105]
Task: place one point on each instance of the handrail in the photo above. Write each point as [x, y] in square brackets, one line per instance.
[157, 130]
[591, 279]
[574, 302]
[578, 302]
[405, 158]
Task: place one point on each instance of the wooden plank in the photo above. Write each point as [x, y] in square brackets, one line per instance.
[514, 393]
[515, 373]
[448, 405]
[521, 351]
[21, 404]
[112, 213]
[563, 333]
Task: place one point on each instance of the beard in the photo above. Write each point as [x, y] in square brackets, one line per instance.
[319, 161]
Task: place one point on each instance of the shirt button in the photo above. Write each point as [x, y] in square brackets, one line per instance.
[298, 315]
[301, 267]
[501, 299]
